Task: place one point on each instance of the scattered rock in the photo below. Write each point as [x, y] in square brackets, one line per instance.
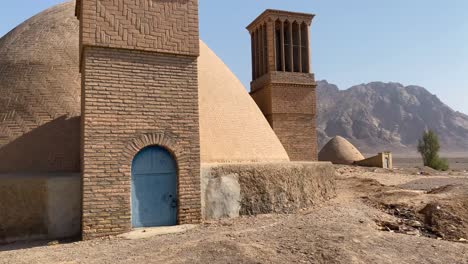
[53, 243]
[415, 223]
[388, 226]
[414, 232]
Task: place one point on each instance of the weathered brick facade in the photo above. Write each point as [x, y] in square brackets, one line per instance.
[139, 88]
[282, 85]
[150, 25]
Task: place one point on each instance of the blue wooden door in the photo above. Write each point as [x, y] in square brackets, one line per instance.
[154, 188]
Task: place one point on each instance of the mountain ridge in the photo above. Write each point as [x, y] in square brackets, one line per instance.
[380, 116]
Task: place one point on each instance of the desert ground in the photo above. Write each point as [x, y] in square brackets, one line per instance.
[406, 215]
[459, 163]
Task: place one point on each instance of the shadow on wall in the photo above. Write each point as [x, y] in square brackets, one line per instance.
[39, 206]
[23, 208]
[52, 147]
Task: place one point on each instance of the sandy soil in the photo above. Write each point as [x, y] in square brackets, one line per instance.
[365, 223]
[455, 162]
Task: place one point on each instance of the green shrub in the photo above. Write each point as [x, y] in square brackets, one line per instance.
[428, 147]
[439, 164]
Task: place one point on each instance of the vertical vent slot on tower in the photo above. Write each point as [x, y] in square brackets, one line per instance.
[287, 46]
[305, 48]
[279, 46]
[296, 48]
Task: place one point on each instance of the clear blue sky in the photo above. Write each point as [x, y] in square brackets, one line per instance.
[420, 42]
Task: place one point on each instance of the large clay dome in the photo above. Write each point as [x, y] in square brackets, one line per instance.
[40, 102]
[232, 127]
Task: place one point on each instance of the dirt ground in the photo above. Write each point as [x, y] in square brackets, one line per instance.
[456, 162]
[401, 216]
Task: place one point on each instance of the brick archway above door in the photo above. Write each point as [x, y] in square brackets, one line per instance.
[164, 139]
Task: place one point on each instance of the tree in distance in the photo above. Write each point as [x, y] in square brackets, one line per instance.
[428, 147]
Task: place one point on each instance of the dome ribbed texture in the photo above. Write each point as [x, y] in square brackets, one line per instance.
[232, 127]
[40, 102]
[40, 93]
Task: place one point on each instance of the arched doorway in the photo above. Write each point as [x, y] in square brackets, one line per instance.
[154, 188]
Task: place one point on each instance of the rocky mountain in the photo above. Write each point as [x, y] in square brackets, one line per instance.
[388, 116]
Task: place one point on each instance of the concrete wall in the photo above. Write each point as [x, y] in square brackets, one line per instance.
[230, 190]
[39, 206]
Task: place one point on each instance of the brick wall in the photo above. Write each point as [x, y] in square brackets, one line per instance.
[133, 99]
[287, 97]
[140, 88]
[297, 133]
[151, 25]
[288, 101]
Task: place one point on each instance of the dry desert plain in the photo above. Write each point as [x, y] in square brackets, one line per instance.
[406, 215]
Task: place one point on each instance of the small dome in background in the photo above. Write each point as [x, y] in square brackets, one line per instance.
[340, 151]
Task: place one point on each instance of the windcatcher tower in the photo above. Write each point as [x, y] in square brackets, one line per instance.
[139, 91]
[283, 85]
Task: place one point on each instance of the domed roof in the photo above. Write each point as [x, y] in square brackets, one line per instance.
[232, 127]
[340, 151]
[40, 101]
[40, 93]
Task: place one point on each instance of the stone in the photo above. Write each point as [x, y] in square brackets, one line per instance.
[221, 195]
[53, 243]
[144, 233]
[415, 223]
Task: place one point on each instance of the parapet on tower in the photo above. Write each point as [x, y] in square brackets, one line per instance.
[282, 83]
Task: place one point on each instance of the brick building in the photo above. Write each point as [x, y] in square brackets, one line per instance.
[131, 104]
[139, 88]
[283, 86]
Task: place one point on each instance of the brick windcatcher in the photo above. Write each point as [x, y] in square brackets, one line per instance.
[282, 83]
